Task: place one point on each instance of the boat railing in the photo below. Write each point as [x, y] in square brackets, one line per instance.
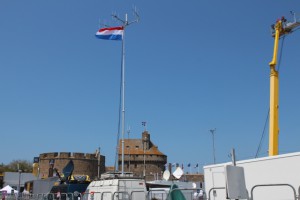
[274, 185]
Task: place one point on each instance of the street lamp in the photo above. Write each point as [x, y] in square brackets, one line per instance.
[19, 186]
[98, 157]
[144, 172]
[213, 140]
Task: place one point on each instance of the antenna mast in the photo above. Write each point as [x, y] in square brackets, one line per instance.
[124, 23]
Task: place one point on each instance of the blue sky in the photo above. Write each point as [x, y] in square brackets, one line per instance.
[191, 66]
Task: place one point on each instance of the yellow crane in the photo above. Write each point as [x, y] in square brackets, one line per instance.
[282, 27]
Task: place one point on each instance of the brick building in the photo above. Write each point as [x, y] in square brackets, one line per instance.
[84, 164]
[142, 156]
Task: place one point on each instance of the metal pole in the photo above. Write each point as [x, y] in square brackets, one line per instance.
[19, 186]
[144, 158]
[128, 151]
[213, 140]
[233, 157]
[125, 23]
[99, 163]
[123, 92]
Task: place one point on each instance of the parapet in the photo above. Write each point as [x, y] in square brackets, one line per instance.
[67, 155]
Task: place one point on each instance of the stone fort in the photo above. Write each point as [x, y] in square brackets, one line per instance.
[84, 163]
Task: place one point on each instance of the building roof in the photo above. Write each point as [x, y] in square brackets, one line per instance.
[135, 146]
[12, 178]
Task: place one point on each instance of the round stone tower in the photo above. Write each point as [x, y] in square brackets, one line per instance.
[84, 164]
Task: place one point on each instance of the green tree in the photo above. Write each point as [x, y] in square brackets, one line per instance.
[24, 165]
[4, 168]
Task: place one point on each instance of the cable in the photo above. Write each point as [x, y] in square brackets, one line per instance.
[280, 53]
[262, 135]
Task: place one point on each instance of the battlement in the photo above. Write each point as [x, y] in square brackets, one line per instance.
[84, 163]
[67, 155]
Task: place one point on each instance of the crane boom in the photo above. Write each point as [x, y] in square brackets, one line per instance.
[281, 27]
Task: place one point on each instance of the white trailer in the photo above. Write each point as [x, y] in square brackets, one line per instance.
[274, 178]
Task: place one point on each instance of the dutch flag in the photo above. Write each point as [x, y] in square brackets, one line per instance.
[111, 33]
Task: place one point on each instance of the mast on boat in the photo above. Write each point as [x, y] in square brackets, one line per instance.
[281, 28]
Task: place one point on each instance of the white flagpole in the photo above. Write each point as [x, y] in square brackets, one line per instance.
[125, 23]
[123, 93]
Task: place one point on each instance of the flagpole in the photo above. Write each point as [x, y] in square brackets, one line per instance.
[123, 92]
[125, 23]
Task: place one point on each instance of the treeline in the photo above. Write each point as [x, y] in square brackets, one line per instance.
[16, 165]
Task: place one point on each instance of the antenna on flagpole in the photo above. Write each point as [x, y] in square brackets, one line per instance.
[124, 23]
[103, 24]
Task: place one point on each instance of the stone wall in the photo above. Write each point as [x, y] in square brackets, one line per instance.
[154, 165]
[84, 163]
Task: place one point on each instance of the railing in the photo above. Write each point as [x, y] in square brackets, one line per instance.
[159, 194]
[187, 193]
[274, 185]
[293, 194]
[42, 196]
[214, 189]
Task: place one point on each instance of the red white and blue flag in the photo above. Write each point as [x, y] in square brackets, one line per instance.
[111, 33]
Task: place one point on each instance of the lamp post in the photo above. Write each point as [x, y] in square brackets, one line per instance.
[213, 140]
[19, 185]
[98, 157]
[144, 172]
